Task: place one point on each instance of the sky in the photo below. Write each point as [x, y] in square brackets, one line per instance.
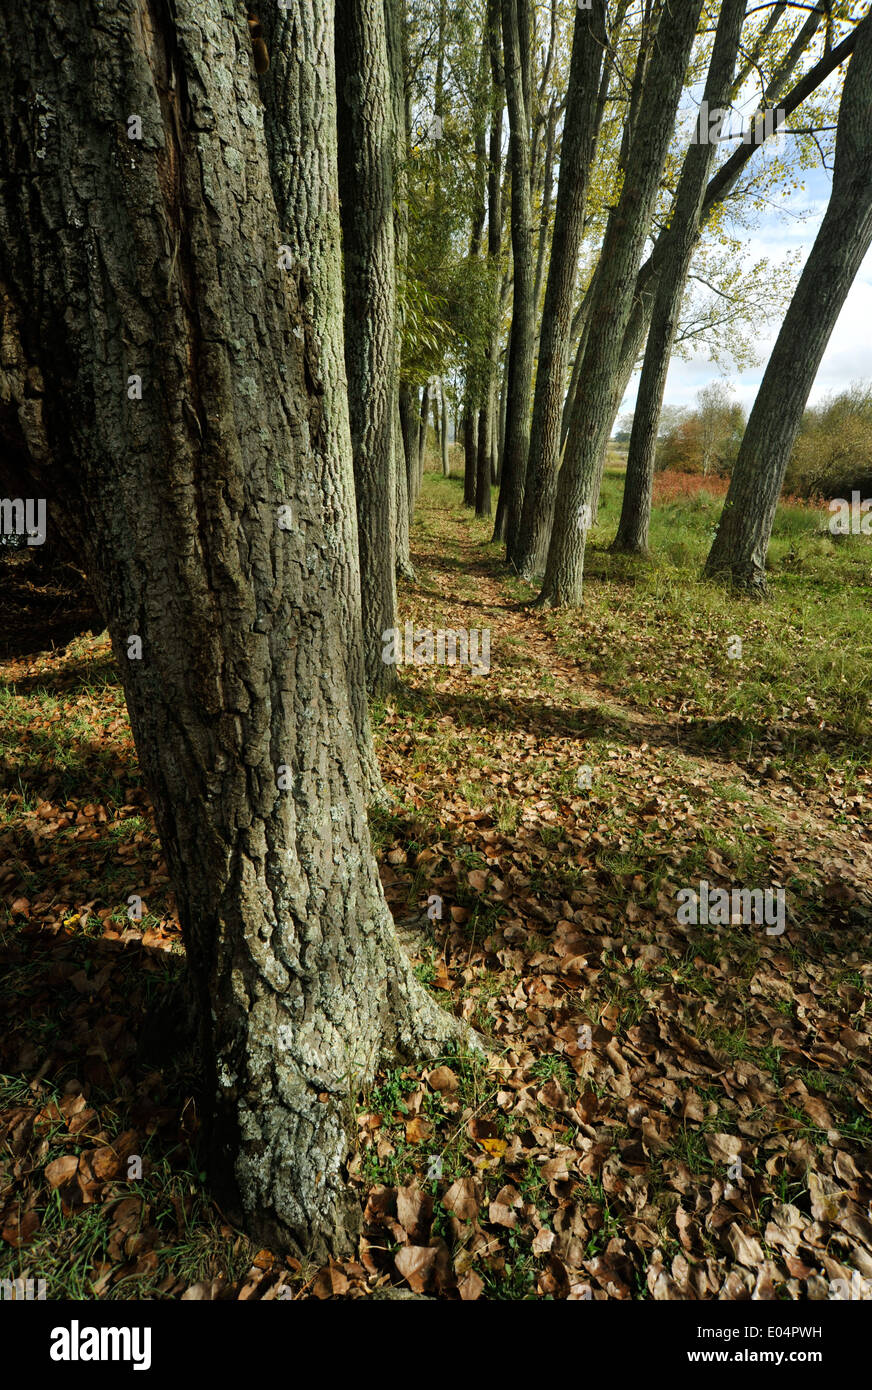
[848, 357]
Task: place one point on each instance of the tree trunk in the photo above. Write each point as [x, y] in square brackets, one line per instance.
[488, 423]
[742, 540]
[547, 195]
[436, 404]
[627, 228]
[482, 472]
[422, 432]
[577, 360]
[409, 418]
[395, 32]
[516, 22]
[401, 491]
[501, 451]
[722, 183]
[366, 190]
[632, 534]
[661, 284]
[719, 187]
[470, 454]
[579, 132]
[211, 515]
[299, 119]
[443, 401]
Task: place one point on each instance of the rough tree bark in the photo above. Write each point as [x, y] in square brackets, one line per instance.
[546, 194]
[579, 134]
[212, 515]
[738, 552]
[395, 31]
[365, 122]
[436, 404]
[298, 94]
[504, 392]
[632, 534]
[608, 315]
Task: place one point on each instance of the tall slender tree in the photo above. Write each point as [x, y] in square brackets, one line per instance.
[685, 223]
[738, 552]
[395, 32]
[632, 533]
[488, 421]
[627, 229]
[576, 153]
[301, 78]
[518, 79]
[365, 103]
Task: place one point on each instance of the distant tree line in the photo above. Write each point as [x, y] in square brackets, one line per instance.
[832, 456]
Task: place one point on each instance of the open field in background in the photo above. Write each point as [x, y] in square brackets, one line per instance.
[563, 1168]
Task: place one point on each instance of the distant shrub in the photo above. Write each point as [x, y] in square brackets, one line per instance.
[705, 440]
[675, 486]
[833, 451]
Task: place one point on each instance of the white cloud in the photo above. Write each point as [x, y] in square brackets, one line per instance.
[848, 356]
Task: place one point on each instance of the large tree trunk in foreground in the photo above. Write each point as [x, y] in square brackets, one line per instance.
[366, 188]
[593, 409]
[742, 540]
[516, 49]
[210, 515]
[632, 534]
[588, 43]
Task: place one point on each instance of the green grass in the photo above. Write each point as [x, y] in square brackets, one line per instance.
[655, 631]
[192, 1242]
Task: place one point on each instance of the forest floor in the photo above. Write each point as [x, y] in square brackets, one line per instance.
[667, 1110]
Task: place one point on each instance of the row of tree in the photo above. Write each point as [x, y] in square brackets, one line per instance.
[604, 258]
[169, 215]
[831, 457]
